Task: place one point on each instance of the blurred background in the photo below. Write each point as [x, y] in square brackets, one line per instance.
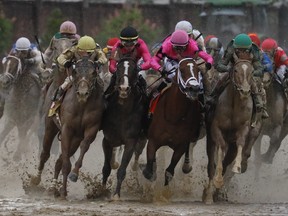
[154, 19]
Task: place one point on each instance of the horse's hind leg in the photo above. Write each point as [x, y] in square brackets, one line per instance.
[138, 151]
[121, 173]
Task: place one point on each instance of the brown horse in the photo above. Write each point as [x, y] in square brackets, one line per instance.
[123, 120]
[229, 133]
[275, 127]
[176, 120]
[78, 119]
[20, 89]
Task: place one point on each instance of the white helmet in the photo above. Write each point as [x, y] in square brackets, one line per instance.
[185, 26]
[23, 44]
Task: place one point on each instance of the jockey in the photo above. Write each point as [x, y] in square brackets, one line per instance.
[26, 51]
[178, 47]
[110, 43]
[86, 47]
[243, 47]
[265, 59]
[214, 48]
[278, 57]
[67, 31]
[129, 45]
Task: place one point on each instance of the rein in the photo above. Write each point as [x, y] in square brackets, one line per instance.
[19, 68]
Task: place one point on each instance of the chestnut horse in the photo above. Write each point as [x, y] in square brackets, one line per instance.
[176, 120]
[78, 119]
[20, 99]
[123, 120]
[229, 133]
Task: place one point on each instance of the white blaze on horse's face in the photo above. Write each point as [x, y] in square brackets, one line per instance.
[191, 81]
[125, 85]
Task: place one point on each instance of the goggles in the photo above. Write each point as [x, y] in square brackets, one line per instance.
[179, 48]
[129, 43]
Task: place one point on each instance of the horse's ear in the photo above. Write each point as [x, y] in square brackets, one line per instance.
[235, 57]
[93, 56]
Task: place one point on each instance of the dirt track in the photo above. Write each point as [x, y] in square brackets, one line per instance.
[268, 196]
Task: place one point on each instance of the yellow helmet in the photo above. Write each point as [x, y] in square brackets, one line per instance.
[86, 43]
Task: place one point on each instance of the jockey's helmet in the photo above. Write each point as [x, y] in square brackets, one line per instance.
[242, 41]
[179, 38]
[86, 43]
[185, 26]
[22, 43]
[68, 27]
[255, 38]
[269, 45]
[213, 44]
[111, 42]
[129, 36]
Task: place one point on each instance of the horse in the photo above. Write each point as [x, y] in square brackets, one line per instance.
[123, 120]
[230, 136]
[20, 99]
[78, 119]
[275, 127]
[176, 119]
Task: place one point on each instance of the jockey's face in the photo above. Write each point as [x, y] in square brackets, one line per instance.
[270, 53]
[179, 49]
[22, 53]
[129, 45]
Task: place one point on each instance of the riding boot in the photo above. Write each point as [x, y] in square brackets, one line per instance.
[58, 94]
[110, 88]
[142, 84]
[260, 105]
[159, 89]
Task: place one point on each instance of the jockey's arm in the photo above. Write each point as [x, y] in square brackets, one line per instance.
[206, 57]
[146, 57]
[258, 67]
[101, 57]
[223, 65]
[64, 58]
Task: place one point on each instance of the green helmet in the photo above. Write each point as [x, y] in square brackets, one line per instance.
[242, 41]
[86, 43]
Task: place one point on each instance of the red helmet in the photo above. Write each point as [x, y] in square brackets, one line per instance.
[111, 42]
[179, 38]
[255, 38]
[269, 44]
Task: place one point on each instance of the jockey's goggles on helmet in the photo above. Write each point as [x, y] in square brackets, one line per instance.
[179, 48]
[129, 43]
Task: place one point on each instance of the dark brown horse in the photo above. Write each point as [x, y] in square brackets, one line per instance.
[176, 120]
[78, 119]
[20, 89]
[275, 127]
[123, 120]
[229, 133]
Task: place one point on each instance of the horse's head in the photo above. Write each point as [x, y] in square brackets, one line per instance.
[267, 80]
[187, 78]
[84, 78]
[12, 68]
[242, 76]
[126, 76]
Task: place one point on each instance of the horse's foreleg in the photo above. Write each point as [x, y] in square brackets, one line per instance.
[66, 168]
[218, 179]
[6, 130]
[114, 164]
[177, 154]
[148, 171]
[187, 167]
[84, 146]
[50, 132]
[108, 151]
[138, 151]
[126, 158]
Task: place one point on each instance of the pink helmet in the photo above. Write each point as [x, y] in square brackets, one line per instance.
[179, 38]
[68, 27]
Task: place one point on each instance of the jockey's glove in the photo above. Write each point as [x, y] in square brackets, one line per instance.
[208, 65]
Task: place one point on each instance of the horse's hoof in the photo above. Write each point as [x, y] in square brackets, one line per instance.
[207, 198]
[186, 168]
[73, 177]
[135, 166]
[115, 165]
[236, 169]
[142, 166]
[116, 197]
[35, 180]
[148, 175]
[218, 182]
